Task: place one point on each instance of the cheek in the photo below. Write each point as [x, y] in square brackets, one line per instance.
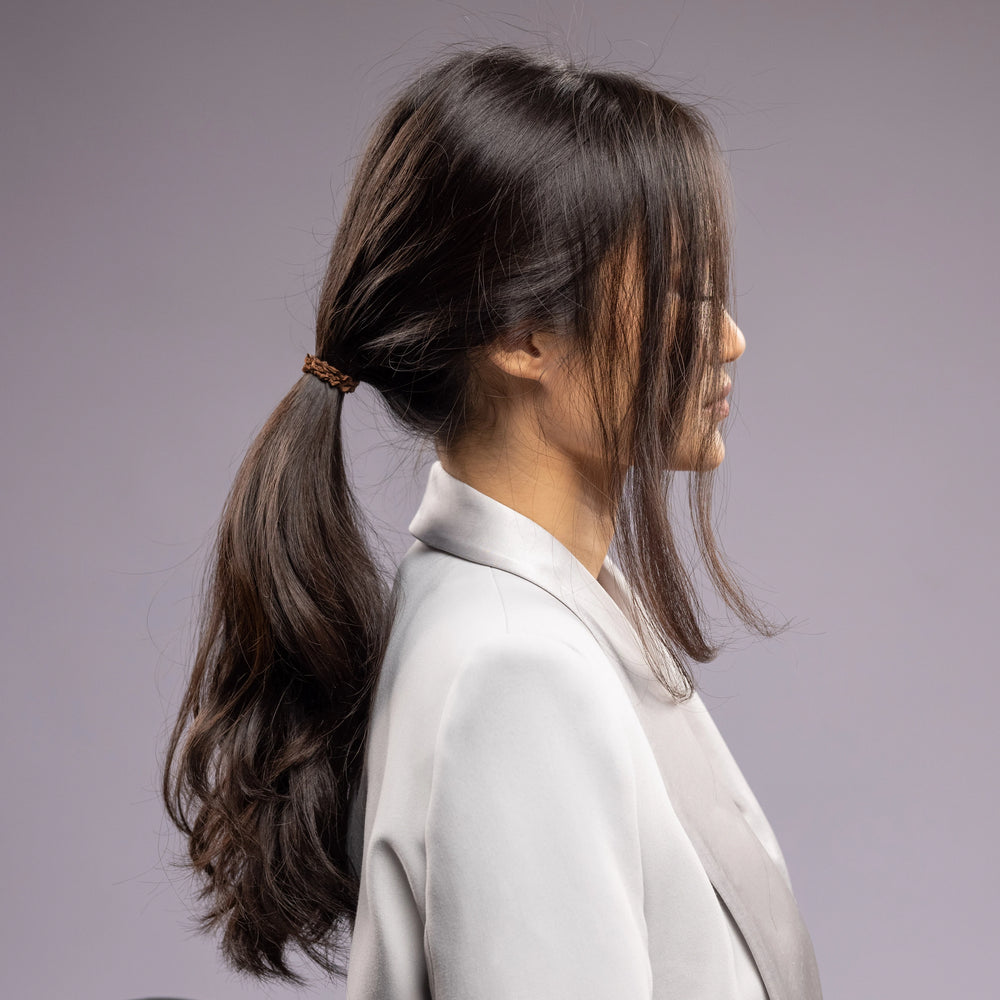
[570, 423]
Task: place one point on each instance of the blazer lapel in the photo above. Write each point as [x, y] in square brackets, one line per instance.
[457, 518]
[750, 881]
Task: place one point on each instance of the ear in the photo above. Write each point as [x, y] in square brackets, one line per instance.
[528, 352]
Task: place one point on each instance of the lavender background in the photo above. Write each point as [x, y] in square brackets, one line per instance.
[171, 177]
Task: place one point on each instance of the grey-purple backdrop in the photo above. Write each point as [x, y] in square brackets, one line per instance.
[172, 174]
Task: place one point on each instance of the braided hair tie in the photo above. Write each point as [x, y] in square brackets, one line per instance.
[319, 368]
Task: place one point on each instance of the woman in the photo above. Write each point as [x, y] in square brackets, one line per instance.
[497, 775]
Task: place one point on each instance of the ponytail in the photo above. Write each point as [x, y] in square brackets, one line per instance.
[267, 750]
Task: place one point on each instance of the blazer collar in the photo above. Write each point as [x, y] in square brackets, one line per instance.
[460, 519]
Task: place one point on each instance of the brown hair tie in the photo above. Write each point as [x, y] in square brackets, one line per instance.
[319, 368]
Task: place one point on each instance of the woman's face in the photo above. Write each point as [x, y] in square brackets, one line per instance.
[564, 408]
[571, 425]
[707, 412]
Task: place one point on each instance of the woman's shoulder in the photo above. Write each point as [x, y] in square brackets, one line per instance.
[483, 650]
[472, 642]
[456, 617]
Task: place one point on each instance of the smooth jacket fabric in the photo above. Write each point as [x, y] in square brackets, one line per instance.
[538, 818]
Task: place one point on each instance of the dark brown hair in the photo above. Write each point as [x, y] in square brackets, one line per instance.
[502, 187]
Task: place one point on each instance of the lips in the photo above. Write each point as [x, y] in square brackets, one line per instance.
[722, 396]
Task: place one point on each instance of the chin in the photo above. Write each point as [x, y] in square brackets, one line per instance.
[688, 460]
[717, 454]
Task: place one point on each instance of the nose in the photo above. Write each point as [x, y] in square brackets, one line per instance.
[735, 343]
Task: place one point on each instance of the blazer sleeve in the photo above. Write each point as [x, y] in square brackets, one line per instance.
[534, 877]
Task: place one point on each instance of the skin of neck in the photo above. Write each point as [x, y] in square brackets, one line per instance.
[534, 475]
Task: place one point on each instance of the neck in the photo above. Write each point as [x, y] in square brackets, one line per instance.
[543, 484]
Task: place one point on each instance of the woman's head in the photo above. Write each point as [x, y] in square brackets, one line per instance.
[506, 191]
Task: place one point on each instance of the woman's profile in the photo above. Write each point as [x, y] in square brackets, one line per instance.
[493, 776]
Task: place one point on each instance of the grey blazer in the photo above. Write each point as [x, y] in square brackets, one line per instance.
[538, 818]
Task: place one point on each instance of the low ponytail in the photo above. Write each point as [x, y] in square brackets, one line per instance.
[267, 749]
